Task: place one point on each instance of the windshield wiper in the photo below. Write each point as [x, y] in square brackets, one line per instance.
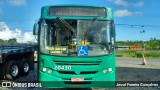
[89, 28]
[67, 25]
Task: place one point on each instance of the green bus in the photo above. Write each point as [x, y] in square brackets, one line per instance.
[76, 46]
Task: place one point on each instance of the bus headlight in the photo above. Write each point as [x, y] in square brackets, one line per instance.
[105, 71]
[44, 69]
[110, 69]
[49, 71]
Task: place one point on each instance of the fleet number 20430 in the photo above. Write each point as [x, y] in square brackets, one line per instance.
[62, 68]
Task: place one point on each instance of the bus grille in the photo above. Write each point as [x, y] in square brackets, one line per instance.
[82, 72]
[77, 63]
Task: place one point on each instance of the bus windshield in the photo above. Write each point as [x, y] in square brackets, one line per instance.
[57, 39]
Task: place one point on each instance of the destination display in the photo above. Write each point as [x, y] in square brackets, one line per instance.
[77, 11]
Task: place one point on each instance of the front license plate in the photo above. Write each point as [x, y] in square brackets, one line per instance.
[77, 79]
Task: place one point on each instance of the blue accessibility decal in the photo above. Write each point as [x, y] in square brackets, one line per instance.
[82, 50]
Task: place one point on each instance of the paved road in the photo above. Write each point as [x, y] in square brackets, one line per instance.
[128, 69]
[131, 69]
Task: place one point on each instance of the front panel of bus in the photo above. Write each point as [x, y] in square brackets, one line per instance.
[76, 52]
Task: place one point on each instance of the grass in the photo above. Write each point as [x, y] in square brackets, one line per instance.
[137, 54]
[125, 53]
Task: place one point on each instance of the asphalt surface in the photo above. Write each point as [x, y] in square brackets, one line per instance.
[128, 69]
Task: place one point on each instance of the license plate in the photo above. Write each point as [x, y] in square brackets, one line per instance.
[77, 79]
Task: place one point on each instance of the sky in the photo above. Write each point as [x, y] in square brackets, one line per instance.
[17, 17]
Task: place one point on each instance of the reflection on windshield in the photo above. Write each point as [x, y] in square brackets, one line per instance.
[97, 37]
[89, 27]
[57, 39]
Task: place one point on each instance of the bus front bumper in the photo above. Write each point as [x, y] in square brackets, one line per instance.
[50, 81]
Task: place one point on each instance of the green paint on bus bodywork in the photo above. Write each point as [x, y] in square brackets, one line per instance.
[87, 64]
[97, 64]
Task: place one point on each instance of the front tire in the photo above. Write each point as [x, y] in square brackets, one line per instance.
[12, 70]
[25, 67]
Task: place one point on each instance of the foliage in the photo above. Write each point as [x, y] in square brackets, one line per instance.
[152, 44]
[138, 54]
[149, 54]
[10, 41]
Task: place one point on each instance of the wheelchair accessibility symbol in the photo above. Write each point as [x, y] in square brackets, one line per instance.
[82, 50]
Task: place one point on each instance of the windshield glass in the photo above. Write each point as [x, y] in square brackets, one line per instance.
[87, 40]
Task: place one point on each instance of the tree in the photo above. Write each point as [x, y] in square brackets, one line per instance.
[12, 41]
[1, 41]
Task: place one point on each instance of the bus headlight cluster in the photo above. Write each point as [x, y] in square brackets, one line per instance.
[107, 70]
[110, 69]
[47, 70]
[44, 69]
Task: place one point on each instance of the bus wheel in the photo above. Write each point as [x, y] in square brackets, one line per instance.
[12, 70]
[25, 68]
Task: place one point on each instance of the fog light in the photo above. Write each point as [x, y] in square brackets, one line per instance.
[44, 69]
[104, 71]
[110, 69]
[49, 71]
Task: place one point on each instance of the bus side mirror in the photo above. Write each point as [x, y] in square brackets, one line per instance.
[35, 28]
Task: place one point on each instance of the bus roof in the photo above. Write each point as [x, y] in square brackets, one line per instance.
[73, 5]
